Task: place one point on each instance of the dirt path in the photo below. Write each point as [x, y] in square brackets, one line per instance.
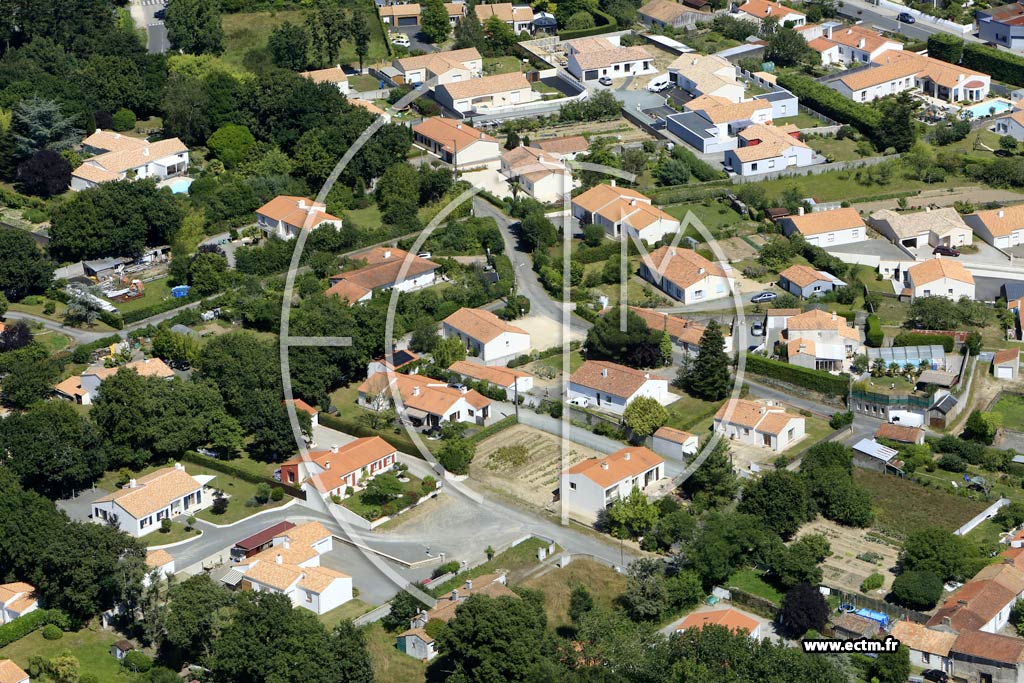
[974, 195]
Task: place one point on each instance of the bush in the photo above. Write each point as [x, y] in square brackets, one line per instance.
[872, 582]
[52, 632]
[919, 339]
[124, 119]
[450, 567]
[952, 463]
[277, 494]
[873, 336]
[22, 626]
[814, 380]
[918, 590]
[137, 661]
[840, 420]
[827, 101]
[1002, 66]
[220, 505]
[165, 526]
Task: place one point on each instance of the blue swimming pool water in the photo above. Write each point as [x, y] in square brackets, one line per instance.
[180, 186]
[982, 109]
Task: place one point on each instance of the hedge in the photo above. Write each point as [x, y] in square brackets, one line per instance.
[399, 441]
[227, 468]
[503, 423]
[22, 626]
[874, 337]
[829, 102]
[1002, 66]
[607, 26]
[918, 339]
[814, 380]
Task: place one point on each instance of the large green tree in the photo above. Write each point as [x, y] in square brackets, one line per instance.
[434, 21]
[193, 607]
[643, 416]
[714, 483]
[637, 346]
[38, 123]
[29, 376]
[194, 26]
[898, 127]
[709, 376]
[938, 551]
[288, 44]
[24, 269]
[803, 609]
[781, 500]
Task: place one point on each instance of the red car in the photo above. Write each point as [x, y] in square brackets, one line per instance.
[943, 250]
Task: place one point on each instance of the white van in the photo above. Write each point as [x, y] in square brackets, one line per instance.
[662, 82]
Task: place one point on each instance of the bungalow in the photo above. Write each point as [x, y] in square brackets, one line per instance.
[426, 404]
[84, 388]
[621, 211]
[447, 67]
[763, 149]
[592, 485]
[140, 507]
[685, 275]
[868, 454]
[984, 603]
[850, 45]
[131, 158]
[386, 268]
[663, 13]
[827, 228]
[600, 56]
[674, 443]
[711, 123]
[759, 10]
[16, 600]
[416, 642]
[12, 673]
[339, 469]
[260, 541]
[931, 227]
[514, 382]
[518, 18]
[612, 387]
[455, 143]
[400, 16]
[1006, 364]
[940, 277]
[929, 647]
[291, 567]
[1002, 228]
[563, 148]
[488, 94]
[737, 622]
[302, 406]
[775, 322]
[538, 174]
[1002, 25]
[334, 75]
[158, 563]
[486, 336]
[899, 70]
[900, 433]
[758, 424]
[685, 334]
[805, 282]
[819, 341]
[285, 217]
[1012, 125]
[707, 75]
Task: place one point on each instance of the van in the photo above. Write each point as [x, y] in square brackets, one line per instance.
[660, 83]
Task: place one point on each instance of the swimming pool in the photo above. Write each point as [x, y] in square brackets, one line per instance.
[180, 186]
[988, 108]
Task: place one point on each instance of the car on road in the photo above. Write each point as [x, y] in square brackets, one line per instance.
[935, 675]
[160, 13]
[605, 81]
[762, 297]
[757, 329]
[905, 18]
[943, 250]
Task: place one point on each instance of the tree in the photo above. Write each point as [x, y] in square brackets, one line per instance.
[799, 562]
[16, 335]
[382, 489]
[469, 32]
[672, 171]
[898, 128]
[580, 602]
[30, 377]
[938, 551]
[714, 484]
[803, 609]
[44, 174]
[892, 667]
[672, 528]
[973, 343]
[918, 590]
[637, 346]
[645, 597]
[781, 500]
[499, 35]
[208, 272]
[194, 26]
[787, 48]
[404, 607]
[231, 144]
[512, 140]
[709, 378]
[447, 351]
[580, 21]
[631, 516]
[24, 269]
[172, 346]
[288, 44]
[980, 427]
[360, 32]
[538, 232]
[1008, 143]
[456, 455]
[38, 123]
[593, 234]
[434, 21]
[644, 416]
[123, 119]
[193, 606]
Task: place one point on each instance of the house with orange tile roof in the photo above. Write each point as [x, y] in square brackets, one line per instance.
[940, 277]
[518, 17]
[285, 217]
[686, 334]
[759, 10]
[400, 358]
[895, 71]
[488, 94]
[662, 13]
[291, 567]
[16, 600]
[623, 212]
[334, 75]
[486, 336]
[416, 642]
[303, 407]
[759, 424]
[850, 45]
[805, 282]
[729, 618]
[455, 143]
[538, 174]
[766, 148]
[386, 268]
[827, 228]
[685, 275]
[674, 443]
[568, 147]
[900, 433]
[1002, 25]
[451, 66]
[1006, 363]
[819, 341]
[592, 485]
[602, 56]
[611, 387]
[929, 647]
[699, 74]
[84, 388]
[143, 503]
[1012, 125]
[332, 472]
[514, 382]
[131, 158]
[1002, 228]
[426, 404]
[12, 673]
[984, 603]
[400, 15]
[158, 563]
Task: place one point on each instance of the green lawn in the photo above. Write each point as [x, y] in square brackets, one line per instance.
[714, 217]
[690, 413]
[518, 558]
[155, 292]
[555, 362]
[363, 83]
[1010, 409]
[931, 507]
[51, 341]
[58, 315]
[604, 583]
[835, 149]
[501, 65]
[801, 120]
[364, 218]
[750, 580]
[365, 510]
[841, 186]
[347, 612]
[390, 665]
[90, 646]
[177, 533]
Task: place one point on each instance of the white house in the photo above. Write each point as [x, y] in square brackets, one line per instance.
[686, 334]
[539, 174]
[386, 268]
[518, 17]
[758, 424]
[929, 647]
[827, 228]
[899, 70]
[285, 216]
[712, 75]
[400, 15]
[1012, 125]
[568, 147]
[334, 75]
[759, 10]
[1002, 25]
[600, 56]
[514, 382]
[447, 67]
[763, 149]
[486, 336]
[455, 143]
[85, 387]
[426, 403]
[819, 341]
[984, 603]
[132, 158]
[931, 227]
[611, 387]
[711, 123]
[850, 45]
[804, 281]
[729, 618]
[592, 485]
[140, 507]
[496, 93]
[621, 211]
[687, 14]
[331, 472]
[940, 277]
[674, 443]
[685, 275]
[12, 673]
[16, 599]
[1002, 228]
[291, 567]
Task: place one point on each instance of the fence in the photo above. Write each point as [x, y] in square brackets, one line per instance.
[895, 612]
[815, 170]
[981, 517]
[379, 94]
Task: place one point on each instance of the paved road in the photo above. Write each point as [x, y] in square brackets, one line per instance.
[764, 391]
[144, 15]
[885, 19]
[84, 336]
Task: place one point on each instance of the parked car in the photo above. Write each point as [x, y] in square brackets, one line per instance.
[400, 39]
[906, 18]
[757, 329]
[424, 254]
[762, 297]
[943, 250]
[456, 385]
[935, 675]
[605, 81]
[581, 401]
[160, 14]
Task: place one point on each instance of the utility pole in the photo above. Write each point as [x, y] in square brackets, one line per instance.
[515, 394]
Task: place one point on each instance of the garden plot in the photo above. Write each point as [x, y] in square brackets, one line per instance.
[855, 556]
[524, 462]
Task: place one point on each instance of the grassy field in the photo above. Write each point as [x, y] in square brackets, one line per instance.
[931, 507]
[177, 533]
[58, 315]
[714, 217]
[750, 580]
[834, 149]
[363, 83]
[604, 584]
[501, 65]
[801, 120]
[390, 665]
[555, 362]
[515, 559]
[347, 612]
[51, 341]
[156, 291]
[837, 186]
[1010, 409]
[683, 413]
[91, 648]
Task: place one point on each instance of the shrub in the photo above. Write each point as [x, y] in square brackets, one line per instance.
[919, 339]
[52, 632]
[262, 493]
[918, 590]
[220, 505]
[88, 678]
[449, 567]
[827, 101]
[840, 420]
[137, 661]
[814, 380]
[165, 526]
[277, 494]
[952, 463]
[1002, 66]
[872, 582]
[874, 337]
[124, 119]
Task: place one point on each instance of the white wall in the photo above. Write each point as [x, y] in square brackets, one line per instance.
[947, 287]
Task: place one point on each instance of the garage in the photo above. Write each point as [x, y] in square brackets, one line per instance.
[1004, 373]
[408, 21]
[590, 75]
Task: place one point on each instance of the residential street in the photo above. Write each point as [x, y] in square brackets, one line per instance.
[885, 19]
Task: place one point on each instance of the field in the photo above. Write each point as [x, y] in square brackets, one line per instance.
[524, 462]
[750, 580]
[91, 648]
[843, 569]
[604, 584]
[1010, 409]
[800, 121]
[715, 217]
[156, 291]
[931, 508]
[834, 149]
[837, 186]
[501, 65]
[390, 665]
[347, 612]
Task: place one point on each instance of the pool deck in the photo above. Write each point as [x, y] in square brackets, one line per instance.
[981, 109]
[176, 180]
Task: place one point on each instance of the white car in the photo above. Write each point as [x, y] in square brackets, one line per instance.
[659, 83]
[400, 39]
[581, 401]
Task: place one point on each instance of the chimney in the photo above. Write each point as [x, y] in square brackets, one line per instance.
[287, 544]
[860, 43]
[612, 182]
[800, 211]
[647, 375]
[763, 410]
[604, 372]
[334, 448]
[604, 465]
[469, 584]
[672, 251]
[327, 465]
[693, 62]
[828, 31]
[302, 203]
[946, 621]
[455, 595]
[133, 483]
[278, 558]
[387, 254]
[481, 136]
[145, 151]
[415, 391]
[833, 316]
[100, 130]
[458, 126]
[1000, 213]
[626, 456]
[179, 466]
[700, 271]
[768, 11]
